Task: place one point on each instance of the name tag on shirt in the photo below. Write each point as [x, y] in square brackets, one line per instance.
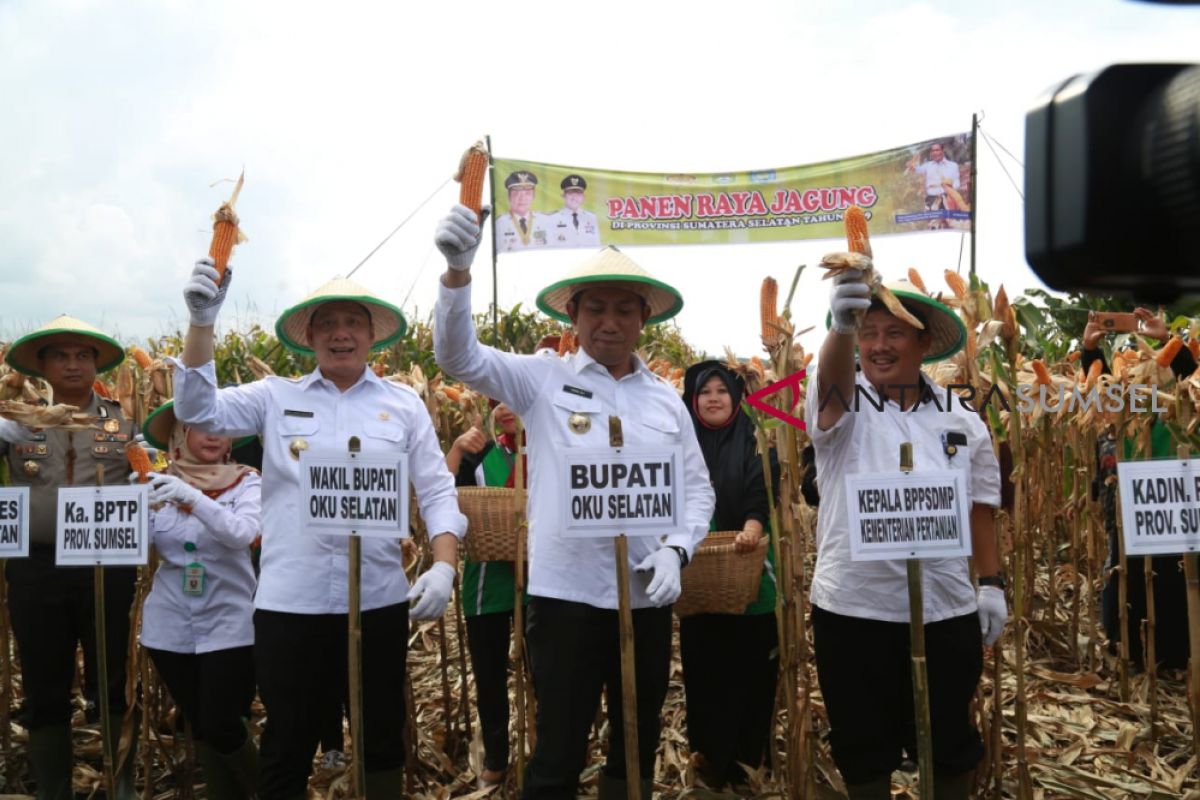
[898, 516]
[354, 494]
[634, 491]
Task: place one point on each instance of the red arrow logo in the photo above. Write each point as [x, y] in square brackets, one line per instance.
[790, 382]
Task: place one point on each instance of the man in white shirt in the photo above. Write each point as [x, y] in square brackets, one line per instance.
[860, 608]
[302, 598]
[567, 403]
[573, 225]
[521, 228]
[936, 174]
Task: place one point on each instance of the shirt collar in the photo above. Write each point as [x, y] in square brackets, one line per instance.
[581, 360]
[315, 378]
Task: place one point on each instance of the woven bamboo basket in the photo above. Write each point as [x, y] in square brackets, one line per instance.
[491, 522]
[718, 580]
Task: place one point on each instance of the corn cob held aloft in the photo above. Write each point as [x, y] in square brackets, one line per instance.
[1169, 351]
[139, 461]
[768, 302]
[857, 239]
[226, 232]
[472, 169]
[839, 262]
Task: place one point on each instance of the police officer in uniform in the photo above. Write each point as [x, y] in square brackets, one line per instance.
[52, 608]
[521, 228]
[572, 626]
[573, 225]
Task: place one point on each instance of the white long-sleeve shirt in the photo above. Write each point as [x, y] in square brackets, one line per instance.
[303, 573]
[545, 390]
[221, 532]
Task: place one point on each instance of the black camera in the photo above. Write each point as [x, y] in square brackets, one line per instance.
[1112, 182]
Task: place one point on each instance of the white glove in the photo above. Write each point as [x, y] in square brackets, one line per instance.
[993, 613]
[202, 295]
[849, 294]
[458, 236]
[170, 489]
[431, 592]
[665, 586]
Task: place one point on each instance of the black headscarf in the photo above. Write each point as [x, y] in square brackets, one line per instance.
[730, 451]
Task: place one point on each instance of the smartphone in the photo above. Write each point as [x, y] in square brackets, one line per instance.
[1112, 322]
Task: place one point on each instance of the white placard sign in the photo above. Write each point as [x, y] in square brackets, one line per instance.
[897, 515]
[104, 525]
[354, 494]
[1160, 506]
[14, 522]
[637, 491]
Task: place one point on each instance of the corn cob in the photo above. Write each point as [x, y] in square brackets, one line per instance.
[226, 232]
[914, 278]
[956, 284]
[567, 342]
[99, 388]
[139, 461]
[472, 169]
[857, 240]
[1169, 351]
[1093, 373]
[453, 394]
[141, 357]
[768, 300]
[1074, 356]
[1041, 374]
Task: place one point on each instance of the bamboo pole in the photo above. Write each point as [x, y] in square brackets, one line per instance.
[628, 670]
[920, 676]
[106, 742]
[1191, 571]
[354, 654]
[1149, 647]
[464, 703]
[1122, 574]
[519, 604]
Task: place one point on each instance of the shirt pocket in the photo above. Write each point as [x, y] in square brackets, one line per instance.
[384, 435]
[578, 420]
[297, 434]
[660, 428]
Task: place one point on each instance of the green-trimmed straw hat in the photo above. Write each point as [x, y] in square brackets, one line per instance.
[611, 267]
[947, 329]
[23, 355]
[387, 321]
[161, 421]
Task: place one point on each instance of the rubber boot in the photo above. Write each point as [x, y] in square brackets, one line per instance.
[953, 787]
[618, 789]
[50, 752]
[385, 784]
[878, 789]
[232, 776]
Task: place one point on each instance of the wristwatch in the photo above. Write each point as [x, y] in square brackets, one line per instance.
[993, 580]
[683, 556]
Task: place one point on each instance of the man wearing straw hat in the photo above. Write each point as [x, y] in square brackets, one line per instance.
[300, 621]
[52, 607]
[859, 608]
[567, 403]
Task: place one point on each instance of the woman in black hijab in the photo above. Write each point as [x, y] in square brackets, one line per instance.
[730, 661]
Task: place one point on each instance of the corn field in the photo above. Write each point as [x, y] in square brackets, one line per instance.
[1062, 713]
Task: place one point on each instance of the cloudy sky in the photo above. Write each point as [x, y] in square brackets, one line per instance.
[346, 116]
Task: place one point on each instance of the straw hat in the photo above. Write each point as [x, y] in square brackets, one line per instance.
[23, 355]
[161, 421]
[948, 331]
[611, 267]
[387, 320]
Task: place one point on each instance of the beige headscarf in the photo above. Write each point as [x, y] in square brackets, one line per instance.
[212, 479]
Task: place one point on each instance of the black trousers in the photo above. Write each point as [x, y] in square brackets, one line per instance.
[1170, 609]
[214, 691]
[301, 665]
[575, 653]
[53, 610]
[730, 671]
[864, 669]
[488, 638]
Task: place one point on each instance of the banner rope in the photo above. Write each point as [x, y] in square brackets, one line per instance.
[403, 222]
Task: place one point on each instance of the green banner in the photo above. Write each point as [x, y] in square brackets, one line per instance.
[916, 188]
